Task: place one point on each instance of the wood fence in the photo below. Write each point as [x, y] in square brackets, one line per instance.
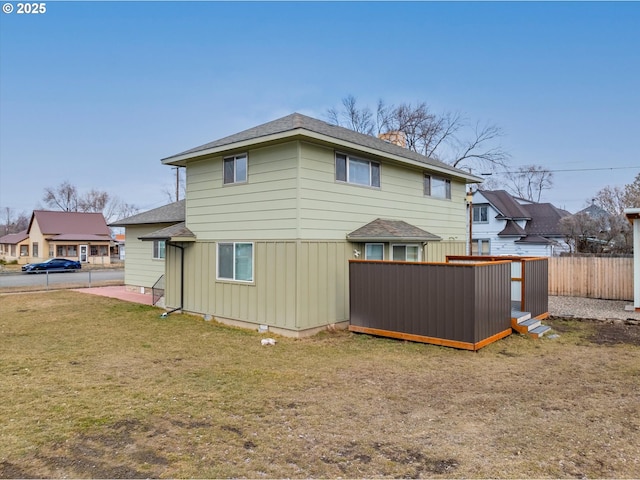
[591, 277]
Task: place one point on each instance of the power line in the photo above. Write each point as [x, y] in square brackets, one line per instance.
[572, 170]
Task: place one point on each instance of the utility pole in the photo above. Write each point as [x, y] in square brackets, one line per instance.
[177, 183]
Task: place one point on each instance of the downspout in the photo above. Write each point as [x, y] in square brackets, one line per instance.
[181, 278]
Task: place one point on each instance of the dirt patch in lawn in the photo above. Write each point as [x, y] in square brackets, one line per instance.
[99, 388]
[601, 332]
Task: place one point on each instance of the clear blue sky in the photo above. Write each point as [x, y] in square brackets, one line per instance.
[98, 92]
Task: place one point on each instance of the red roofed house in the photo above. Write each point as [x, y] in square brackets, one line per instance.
[84, 237]
[14, 245]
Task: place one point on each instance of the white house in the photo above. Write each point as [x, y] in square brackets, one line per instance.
[507, 225]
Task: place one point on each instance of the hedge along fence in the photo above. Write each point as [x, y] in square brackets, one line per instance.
[609, 278]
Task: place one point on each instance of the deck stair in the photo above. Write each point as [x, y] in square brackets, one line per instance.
[522, 322]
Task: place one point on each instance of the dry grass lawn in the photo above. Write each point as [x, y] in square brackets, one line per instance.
[95, 387]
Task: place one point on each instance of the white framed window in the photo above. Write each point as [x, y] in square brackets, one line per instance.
[406, 253]
[480, 214]
[159, 247]
[374, 251]
[235, 169]
[437, 187]
[357, 171]
[235, 261]
[481, 246]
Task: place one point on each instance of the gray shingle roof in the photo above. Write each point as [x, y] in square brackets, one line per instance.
[297, 121]
[177, 230]
[391, 230]
[545, 219]
[505, 204]
[174, 212]
[512, 229]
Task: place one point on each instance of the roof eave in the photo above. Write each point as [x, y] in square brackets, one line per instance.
[388, 239]
[180, 160]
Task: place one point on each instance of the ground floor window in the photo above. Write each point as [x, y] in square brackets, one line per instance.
[374, 251]
[98, 250]
[481, 246]
[35, 249]
[159, 247]
[235, 261]
[67, 250]
[24, 250]
[405, 253]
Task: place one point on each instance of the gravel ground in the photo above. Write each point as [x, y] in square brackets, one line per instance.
[591, 308]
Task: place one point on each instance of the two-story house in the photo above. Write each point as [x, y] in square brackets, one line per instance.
[275, 212]
[506, 225]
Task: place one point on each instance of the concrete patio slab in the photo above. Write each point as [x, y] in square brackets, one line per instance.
[119, 292]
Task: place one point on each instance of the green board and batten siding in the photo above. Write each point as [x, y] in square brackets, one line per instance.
[298, 285]
[298, 217]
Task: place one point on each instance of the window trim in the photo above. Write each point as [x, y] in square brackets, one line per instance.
[406, 245]
[480, 207]
[478, 243]
[234, 279]
[347, 175]
[373, 244]
[235, 159]
[427, 183]
[156, 250]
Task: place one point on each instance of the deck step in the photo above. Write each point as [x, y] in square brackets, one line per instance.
[539, 331]
[525, 326]
[522, 322]
[519, 316]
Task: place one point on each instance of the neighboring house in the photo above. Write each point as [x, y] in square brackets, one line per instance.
[145, 260]
[14, 245]
[595, 212]
[79, 236]
[84, 237]
[274, 214]
[118, 248]
[506, 225]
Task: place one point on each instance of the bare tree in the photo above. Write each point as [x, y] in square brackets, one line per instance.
[13, 222]
[63, 197]
[631, 198]
[614, 200]
[93, 201]
[447, 137]
[352, 117]
[584, 233]
[529, 182]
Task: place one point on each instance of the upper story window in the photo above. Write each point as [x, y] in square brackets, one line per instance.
[356, 170]
[159, 249]
[480, 214]
[437, 187]
[235, 169]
